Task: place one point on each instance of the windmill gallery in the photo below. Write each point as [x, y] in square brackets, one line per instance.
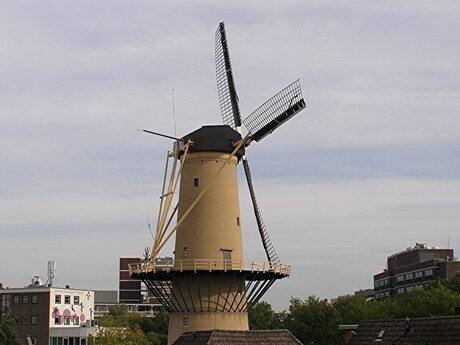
[208, 285]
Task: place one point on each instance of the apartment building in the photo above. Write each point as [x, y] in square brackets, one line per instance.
[49, 315]
[414, 267]
[134, 293]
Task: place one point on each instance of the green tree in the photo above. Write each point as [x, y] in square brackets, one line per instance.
[8, 336]
[121, 327]
[119, 335]
[262, 316]
[312, 321]
[351, 309]
[157, 338]
[437, 300]
[160, 322]
[453, 283]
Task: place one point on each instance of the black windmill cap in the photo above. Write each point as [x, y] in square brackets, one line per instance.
[218, 138]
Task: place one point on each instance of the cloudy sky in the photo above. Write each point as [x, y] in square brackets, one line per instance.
[371, 167]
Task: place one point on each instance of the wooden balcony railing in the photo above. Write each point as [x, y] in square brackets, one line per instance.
[209, 265]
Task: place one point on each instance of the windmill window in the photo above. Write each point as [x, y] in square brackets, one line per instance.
[186, 321]
[238, 221]
[185, 253]
[196, 182]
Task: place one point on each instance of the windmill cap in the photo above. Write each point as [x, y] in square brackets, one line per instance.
[219, 138]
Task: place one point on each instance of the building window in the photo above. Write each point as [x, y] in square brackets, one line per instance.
[196, 182]
[33, 319]
[186, 321]
[76, 299]
[76, 320]
[16, 299]
[380, 335]
[66, 299]
[24, 320]
[33, 341]
[16, 320]
[5, 303]
[57, 320]
[238, 221]
[57, 299]
[34, 299]
[66, 320]
[25, 299]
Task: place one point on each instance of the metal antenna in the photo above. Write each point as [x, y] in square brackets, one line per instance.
[174, 113]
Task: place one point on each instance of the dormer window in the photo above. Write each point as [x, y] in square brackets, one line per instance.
[380, 335]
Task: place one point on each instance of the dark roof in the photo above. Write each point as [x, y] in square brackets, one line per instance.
[214, 138]
[422, 331]
[220, 337]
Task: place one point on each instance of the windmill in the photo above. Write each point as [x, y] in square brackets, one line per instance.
[208, 285]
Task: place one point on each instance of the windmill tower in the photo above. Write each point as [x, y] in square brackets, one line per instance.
[209, 285]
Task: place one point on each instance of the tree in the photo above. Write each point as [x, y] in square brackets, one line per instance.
[119, 335]
[121, 327]
[262, 316]
[437, 300]
[8, 336]
[312, 321]
[453, 283]
[352, 309]
[161, 322]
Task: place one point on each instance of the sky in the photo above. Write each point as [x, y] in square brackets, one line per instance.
[371, 167]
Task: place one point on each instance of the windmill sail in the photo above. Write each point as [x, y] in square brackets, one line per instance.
[228, 98]
[274, 112]
[266, 242]
[270, 115]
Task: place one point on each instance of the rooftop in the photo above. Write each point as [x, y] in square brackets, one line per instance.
[220, 337]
